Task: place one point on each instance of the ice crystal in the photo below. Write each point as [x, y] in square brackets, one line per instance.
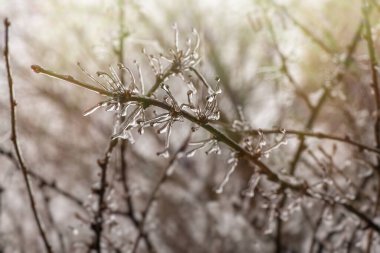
[252, 184]
[234, 162]
[186, 58]
[211, 143]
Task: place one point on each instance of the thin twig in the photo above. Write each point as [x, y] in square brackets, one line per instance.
[375, 88]
[44, 182]
[14, 140]
[153, 196]
[373, 62]
[315, 109]
[315, 112]
[318, 135]
[131, 212]
[123, 143]
[53, 224]
[305, 30]
[97, 224]
[284, 66]
[38, 69]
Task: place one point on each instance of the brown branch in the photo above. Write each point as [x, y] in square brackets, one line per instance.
[38, 69]
[14, 140]
[323, 98]
[375, 88]
[97, 224]
[53, 224]
[131, 212]
[373, 61]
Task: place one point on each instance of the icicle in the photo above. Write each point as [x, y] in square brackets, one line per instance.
[174, 103]
[197, 41]
[165, 152]
[157, 120]
[283, 141]
[191, 86]
[294, 206]
[328, 214]
[151, 63]
[191, 153]
[94, 108]
[116, 78]
[210, 98]
[140, 77]
[237, 125]
[220, 188]
[134, 87]
[189, 98]
[91, 77]
[252, 184]
[176, 37]
[241, 114]
[261, 142]
[129, 123]
[164, 128]
[200, 144]
[109, 80]
[140, 130]
[271, 223]
[214, 116]
[126, 135]
[112, 106]
[158, 64]
[214, 149]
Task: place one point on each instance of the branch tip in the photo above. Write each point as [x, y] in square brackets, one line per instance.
[7, 23]
[37, 69]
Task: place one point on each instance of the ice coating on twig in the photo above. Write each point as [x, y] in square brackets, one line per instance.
[234, 162]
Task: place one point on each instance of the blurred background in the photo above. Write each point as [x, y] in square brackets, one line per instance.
[275, 59]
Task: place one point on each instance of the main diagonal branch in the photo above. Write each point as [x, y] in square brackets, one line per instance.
[147, 101]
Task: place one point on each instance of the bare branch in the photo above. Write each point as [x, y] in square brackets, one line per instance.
[24, 169]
